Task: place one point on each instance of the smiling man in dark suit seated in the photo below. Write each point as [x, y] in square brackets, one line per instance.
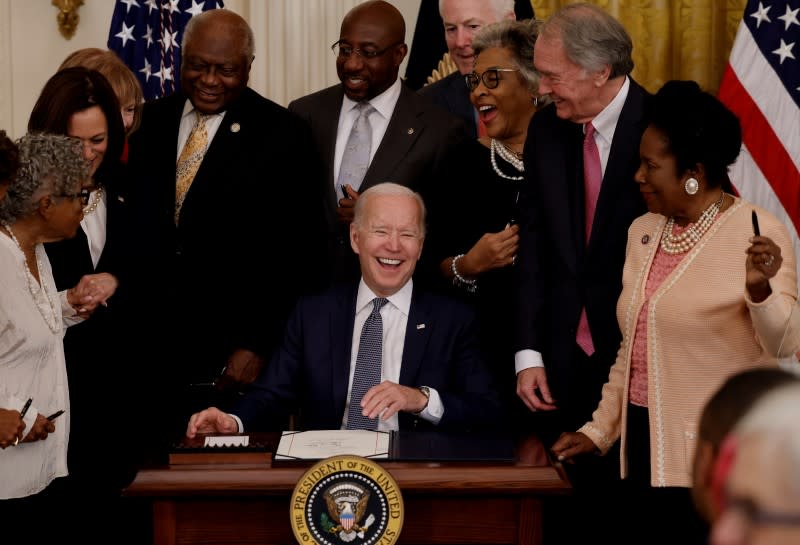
[428, 371]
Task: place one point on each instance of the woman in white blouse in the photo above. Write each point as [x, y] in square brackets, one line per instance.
[44, 203]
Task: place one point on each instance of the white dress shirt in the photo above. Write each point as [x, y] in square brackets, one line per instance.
[94, 225]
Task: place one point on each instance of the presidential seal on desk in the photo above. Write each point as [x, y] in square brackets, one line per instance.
[346, 499]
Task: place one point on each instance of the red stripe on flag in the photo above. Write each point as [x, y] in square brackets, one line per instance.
[764, 146]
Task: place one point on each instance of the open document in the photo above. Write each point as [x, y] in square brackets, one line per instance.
[321, 444]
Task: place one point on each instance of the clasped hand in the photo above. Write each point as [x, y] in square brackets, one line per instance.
[346, 209]
[492, 251]
[389, 398]
[91, 291]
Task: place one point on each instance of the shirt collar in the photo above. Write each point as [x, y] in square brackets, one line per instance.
[401, 299]
[605, 123]
[383, 103]
[188, 110]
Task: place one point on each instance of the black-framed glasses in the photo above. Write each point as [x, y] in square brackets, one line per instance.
[344, 51]
[491, 78]
[83, 194]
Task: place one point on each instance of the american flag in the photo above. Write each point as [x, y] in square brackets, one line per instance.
[146, 34]
[761, 85]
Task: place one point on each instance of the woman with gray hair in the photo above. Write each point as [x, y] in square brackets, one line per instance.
[473, 237]
[44, 203]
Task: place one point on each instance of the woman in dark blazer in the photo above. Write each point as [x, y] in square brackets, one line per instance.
[80, 102]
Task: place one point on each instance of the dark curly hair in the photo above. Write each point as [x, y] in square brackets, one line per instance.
[9, 159]
[699, 129]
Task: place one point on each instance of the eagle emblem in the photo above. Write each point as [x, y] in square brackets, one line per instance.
[347, 504]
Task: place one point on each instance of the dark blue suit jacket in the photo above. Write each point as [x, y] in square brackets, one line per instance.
[452, 94]
[310, 372]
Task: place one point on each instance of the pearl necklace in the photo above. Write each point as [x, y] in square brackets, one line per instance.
[96, 198]
[678, 244]
[35, 288]
[509, 157]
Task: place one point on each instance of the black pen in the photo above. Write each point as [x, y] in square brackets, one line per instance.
[55, 415]
[756, 229]
[25, 407]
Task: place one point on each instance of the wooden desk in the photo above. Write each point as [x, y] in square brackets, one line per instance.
[445, 503]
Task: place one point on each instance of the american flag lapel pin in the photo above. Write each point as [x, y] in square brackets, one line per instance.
[420, 326]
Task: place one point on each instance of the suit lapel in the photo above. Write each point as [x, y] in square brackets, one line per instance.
[566, 196]
[623, 150]
[418, 331]
[341, 331]
[328, 127]
[404, 128]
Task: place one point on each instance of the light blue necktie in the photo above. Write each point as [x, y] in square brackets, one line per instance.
[355, 159]
[368, 367]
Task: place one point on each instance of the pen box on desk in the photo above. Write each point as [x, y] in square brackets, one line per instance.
[193, 451]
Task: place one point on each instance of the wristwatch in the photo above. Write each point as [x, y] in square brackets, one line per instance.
[427, 393]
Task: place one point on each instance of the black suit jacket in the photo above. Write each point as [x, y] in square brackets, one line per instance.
[97, 349]
[310, 372]
[452, 94]
[414, 152]
[228, 275]
[558, 273]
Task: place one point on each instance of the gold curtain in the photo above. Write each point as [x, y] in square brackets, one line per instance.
[672, 39]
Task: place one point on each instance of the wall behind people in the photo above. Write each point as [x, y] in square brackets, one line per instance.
[672, 40]
[293, 39]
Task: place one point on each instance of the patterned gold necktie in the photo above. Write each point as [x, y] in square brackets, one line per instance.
[189, 160]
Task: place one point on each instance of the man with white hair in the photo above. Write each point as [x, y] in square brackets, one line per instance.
[462, 21]
[757, 477]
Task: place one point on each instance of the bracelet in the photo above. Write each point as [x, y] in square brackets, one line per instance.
[470, 285]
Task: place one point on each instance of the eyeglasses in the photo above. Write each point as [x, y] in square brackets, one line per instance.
[491, 78]
[84, 194]
[344, 51]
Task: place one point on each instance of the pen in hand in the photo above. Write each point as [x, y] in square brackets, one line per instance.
[55, 415]
[25, 407]
[756, 229]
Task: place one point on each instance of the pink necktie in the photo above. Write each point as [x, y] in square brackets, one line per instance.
[592, 178]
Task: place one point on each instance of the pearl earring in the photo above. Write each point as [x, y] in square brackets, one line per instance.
[691, 186]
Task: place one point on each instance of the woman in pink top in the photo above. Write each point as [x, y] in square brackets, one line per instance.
[704, 296]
